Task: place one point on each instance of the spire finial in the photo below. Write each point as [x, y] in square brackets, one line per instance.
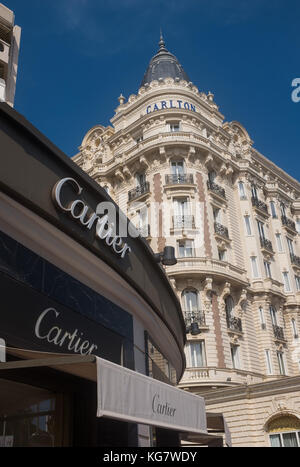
[162, 44]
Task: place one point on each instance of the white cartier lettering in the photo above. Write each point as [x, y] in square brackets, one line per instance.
[79, 212]
[57, 336]
[162, 409]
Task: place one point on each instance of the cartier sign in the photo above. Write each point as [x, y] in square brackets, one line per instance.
[89, 219]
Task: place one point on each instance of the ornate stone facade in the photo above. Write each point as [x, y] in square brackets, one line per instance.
[189, 180]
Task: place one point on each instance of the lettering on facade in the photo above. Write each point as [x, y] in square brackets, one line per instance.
[73, 340]
[172, 104]
[79, 212]
[162, 408]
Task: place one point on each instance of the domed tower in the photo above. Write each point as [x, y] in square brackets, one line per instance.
[189, 180]
[164, 65]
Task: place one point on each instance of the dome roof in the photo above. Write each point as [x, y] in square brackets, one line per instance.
[164, 65]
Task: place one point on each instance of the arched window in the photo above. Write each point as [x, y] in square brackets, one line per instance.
[284, 431]
[190, 300]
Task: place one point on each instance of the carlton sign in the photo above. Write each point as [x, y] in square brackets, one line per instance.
[83, 214]
[171, 104]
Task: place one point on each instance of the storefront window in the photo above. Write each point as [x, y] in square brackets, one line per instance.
[28, 416]
[158, 366]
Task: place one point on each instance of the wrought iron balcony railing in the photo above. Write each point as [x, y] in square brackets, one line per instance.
[179, 179]
[288, 223]
[257, 203]
[266, 244]
[183, 222]
[139, 191]
[278, 332]
[221, 230]
[194, 317]
[218, 190]
[234, 324]
[295, 260]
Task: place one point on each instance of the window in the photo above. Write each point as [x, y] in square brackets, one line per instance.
[273, 313]
[281, 365]
[229, 306]
[235, 355]
[222, 255]
[284, 431]
[262, 317]
[174, 126]
[212, 176]
[254, 266]
[140, 179]
[248, 225]
[297, 280]
[195, 354]
[242, 190]
[290, 245]
[261, 230]
[286, 281]
[217, 215]
[190, 300]
[254, 192]
[273, 209]
[279, 242]
[142, 223]
[181, 207]
[177, 167]
[286, 440]
[294, 328]
[283, 210]
[139, 138]
[298, 225]
[269, 362]
[186, 248]
[268, 269]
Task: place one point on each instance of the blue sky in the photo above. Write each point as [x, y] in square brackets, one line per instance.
[77, 56]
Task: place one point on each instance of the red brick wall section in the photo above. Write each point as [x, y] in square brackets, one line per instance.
[158, 198]
[202, 199]
[218, 332]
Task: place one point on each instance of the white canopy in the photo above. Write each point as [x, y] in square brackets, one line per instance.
[124, 394]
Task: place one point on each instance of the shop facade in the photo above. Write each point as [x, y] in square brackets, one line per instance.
[73, 285]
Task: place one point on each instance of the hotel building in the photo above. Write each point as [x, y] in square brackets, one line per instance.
[10, 36]
[189, 179]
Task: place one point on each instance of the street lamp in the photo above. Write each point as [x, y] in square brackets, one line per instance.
[167, 257]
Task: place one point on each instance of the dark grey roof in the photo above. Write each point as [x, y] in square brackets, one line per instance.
[164, 65]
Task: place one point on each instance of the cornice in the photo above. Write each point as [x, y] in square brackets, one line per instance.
[277, 171]
[265, 389]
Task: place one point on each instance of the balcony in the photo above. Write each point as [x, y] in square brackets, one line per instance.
[208, 266]
[266, 245]
[260, 206]
[179, 179]
[139, 191]
[193, 318]
[278, 332]
[221, 231]
[289, 224]
[295, 260]
[234, 324]
[183, 222]
[216, 189]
